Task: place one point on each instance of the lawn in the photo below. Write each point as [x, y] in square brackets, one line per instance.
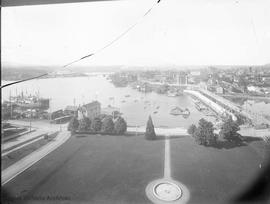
[116, 169]
[96, 169]
[215, 174]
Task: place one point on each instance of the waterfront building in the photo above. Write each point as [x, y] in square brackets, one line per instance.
[219, 90]
[92, 109]
[182, 78]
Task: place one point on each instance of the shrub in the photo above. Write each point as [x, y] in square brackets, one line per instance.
[191, 130]
[73, 125]
[107, 125]
[84, 124]
[229, 131]
[120, 126]
[204, 134]
[96, 124]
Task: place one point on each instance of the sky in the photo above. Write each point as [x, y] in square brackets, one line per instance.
[175, 32]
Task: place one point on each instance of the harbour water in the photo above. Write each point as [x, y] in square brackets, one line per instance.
[135, 108]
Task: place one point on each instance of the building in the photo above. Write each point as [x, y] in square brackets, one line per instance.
[182, 79]
[220, 90]
[92, 109]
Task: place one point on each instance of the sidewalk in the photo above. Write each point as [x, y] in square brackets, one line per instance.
[20, 166]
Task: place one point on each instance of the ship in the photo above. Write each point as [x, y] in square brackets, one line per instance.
[30, 102]
[176, 111]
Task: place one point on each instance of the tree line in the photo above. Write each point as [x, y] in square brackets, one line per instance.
[102, 123]
[204, 132]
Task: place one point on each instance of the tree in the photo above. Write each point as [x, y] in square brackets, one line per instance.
[96, 124]
[191, 130]
[150, 130]
[204, 134]
[84, 124]
[73, 125]
[229, 130]
[120, 126]
[107, 125]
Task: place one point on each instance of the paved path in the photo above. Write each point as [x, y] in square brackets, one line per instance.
[160, 131]
[20, 166]
[167, 159]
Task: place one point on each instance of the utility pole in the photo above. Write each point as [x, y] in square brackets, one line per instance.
[10, 104]
[30, 119]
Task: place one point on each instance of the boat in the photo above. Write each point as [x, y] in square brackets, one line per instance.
[157, 107]
[155, 112]
[176, 111]
[123, 101]
[127, 95]
[29, 102]
[111, 98]
[179, 111]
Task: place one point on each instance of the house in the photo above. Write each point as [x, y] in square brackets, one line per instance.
[92, 109]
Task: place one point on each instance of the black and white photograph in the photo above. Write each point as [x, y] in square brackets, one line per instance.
[135, 101]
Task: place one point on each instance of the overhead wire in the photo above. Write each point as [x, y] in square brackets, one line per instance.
[93, 53]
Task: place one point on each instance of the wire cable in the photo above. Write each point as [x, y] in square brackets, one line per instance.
[97, 51]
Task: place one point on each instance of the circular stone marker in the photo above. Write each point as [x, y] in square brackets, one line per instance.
[167, 191]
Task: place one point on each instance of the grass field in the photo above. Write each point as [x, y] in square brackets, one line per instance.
[116, 169]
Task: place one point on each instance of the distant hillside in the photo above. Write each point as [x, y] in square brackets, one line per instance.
[13, 74]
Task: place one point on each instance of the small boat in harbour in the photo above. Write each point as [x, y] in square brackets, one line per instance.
[155, 112]
[179, 111]
[176, 111]
[127, 95]
[123, 101]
